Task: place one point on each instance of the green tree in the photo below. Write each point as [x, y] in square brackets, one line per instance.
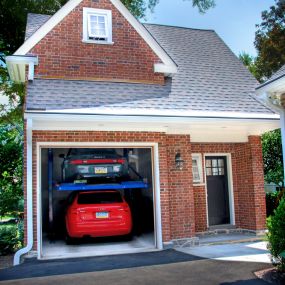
[272, 157]
[11, 145]
[276, 235]
[270, 41]
[249, 62]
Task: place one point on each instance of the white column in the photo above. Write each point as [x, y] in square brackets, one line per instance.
[282, 124]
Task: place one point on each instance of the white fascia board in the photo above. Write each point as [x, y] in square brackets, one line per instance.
[275, 86]
[144, 118]
[158, 113]
[166, 69]
[16, 66]
[170, 65]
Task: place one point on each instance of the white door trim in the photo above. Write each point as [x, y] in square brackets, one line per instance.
[156, 181]
[230, 185]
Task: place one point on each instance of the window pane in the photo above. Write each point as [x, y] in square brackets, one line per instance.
[101, 19]
[195, 171]
[215, 171]
[221, 171]
[209, 171]
[221, 162]
[93, 19]
[194, 162]
[214, 163]
[208, 163]
[101, 26]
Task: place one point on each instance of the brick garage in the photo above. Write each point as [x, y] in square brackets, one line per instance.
[183, 205]
[147, 85]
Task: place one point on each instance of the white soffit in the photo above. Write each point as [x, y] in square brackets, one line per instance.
[169, 65]
[200, 130]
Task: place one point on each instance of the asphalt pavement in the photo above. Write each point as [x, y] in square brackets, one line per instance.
[164, 267]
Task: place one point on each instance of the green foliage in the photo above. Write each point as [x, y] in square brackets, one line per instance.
[11, 146]
[13, 17]
[276, 234]
[249, 62]
[272, 157]
[11, 237]
[273, 200]
[203, 5]
[270, 41]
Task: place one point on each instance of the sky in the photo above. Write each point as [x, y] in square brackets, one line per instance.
[233, 20]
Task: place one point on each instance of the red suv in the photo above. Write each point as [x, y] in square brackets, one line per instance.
[98, 214]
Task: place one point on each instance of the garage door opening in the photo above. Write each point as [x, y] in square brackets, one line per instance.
[69, 172]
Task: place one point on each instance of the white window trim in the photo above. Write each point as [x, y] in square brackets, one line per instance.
[198, 157]
[107, 14]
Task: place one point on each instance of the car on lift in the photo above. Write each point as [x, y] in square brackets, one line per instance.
[97, 214]
[89, 163]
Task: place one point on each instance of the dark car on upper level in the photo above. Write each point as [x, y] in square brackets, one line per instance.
[93, 163]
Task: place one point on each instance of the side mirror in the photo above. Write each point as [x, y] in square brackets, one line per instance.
[61, 155]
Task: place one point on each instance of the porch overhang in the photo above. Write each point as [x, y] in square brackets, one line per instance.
[201, 129]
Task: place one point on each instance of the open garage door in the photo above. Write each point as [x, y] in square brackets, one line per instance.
[96, 201]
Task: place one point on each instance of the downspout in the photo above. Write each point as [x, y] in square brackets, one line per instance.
[29, 190]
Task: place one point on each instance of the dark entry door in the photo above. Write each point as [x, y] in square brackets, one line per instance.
[217, 190]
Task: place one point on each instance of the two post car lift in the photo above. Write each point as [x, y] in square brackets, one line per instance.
[132, 184]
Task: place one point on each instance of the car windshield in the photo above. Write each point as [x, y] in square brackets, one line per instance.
[99, 198]
[91, 151]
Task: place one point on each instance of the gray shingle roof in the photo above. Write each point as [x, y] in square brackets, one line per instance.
[210, 78]
[278, 74]
[68, 94]
[34, 22]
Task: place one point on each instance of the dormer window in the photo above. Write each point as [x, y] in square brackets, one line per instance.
[97, 26]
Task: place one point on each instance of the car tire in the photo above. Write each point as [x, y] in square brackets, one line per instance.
[128, 237]
[71, 241]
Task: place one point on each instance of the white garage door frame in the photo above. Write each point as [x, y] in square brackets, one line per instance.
[155, 174]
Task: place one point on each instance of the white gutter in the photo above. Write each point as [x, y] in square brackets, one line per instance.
[16, 65]
[144, 113]
[29, 190]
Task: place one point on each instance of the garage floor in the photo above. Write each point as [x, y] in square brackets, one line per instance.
[59, 249]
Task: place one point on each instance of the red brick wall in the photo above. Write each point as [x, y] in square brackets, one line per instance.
[180, 185]
[183, 206]
[62, 54]
[177, 213]
[248, 184]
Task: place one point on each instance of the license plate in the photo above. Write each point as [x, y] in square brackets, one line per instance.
[102, 215]
[101, 170]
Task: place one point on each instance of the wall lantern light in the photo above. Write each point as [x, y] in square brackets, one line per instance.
[179, 162]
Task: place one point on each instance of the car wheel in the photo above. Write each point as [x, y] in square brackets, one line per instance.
[71, 241]
[128, 237]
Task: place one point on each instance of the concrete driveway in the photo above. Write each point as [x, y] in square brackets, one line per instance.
[246, 252]
[213, 266]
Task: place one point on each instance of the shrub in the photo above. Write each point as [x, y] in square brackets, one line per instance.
[276, 234]
[11, 237]
[272, 201]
